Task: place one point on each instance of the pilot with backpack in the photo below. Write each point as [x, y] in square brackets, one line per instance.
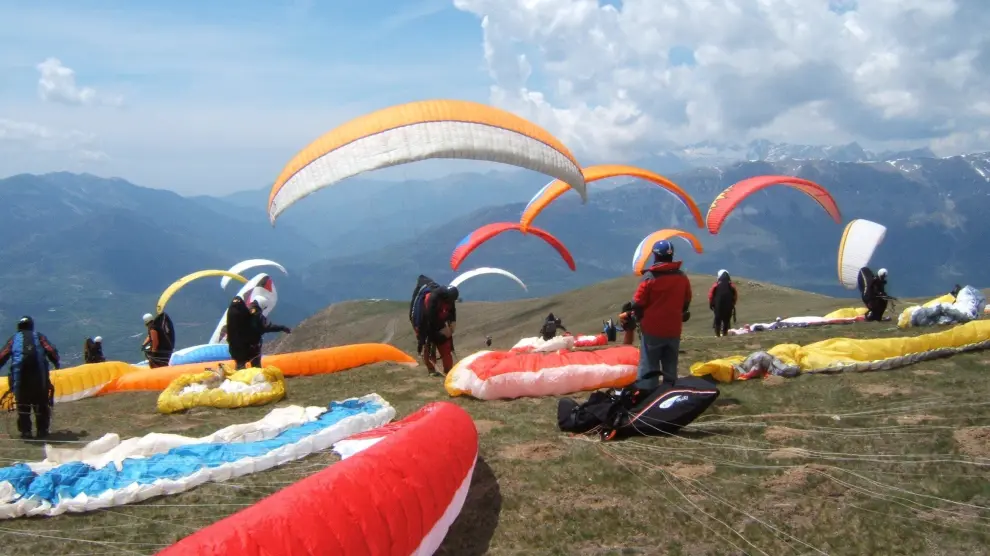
[550, 326]
[29, 353]
[722, 298]
[873, 290]
[159, 344]
[433, 315]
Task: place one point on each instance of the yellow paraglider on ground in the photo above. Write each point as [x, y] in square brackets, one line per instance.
[847, 354]
[223, 388]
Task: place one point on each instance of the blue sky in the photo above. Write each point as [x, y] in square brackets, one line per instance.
[217, 96]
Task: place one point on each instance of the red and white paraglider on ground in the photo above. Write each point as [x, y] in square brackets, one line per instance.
[397, 491]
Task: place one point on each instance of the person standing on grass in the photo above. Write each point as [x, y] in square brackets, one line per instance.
[662, 305]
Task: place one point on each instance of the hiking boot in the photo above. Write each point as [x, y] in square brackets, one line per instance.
[26, 436]
[42, 434]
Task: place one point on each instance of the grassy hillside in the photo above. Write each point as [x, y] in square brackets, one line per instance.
[873, 463]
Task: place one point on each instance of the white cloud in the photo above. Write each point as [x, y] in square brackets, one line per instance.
[18, 135]
[58, 84]
[610, 83]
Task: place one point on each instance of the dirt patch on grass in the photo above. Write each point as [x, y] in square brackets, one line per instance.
[429, 394]
[973, 441]
[788, 453]
[532, 451]
[783, 434]
[753, 346]
[915, 419]
[925, 372]
[881, 390]
[690, 470]
[792, 478]
[485, 426]
[773, 380]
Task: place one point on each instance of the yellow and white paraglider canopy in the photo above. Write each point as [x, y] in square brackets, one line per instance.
[860, 239]
[419, 131]
[181, 283]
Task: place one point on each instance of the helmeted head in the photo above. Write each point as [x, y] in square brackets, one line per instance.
[98, 340]
[450, 293]
[147, 318]
[261, 301]
[721, 273]
[663, 251]
[26, 323]
[882, 273]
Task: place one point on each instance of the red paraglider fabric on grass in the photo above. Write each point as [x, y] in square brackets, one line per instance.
[398, 496]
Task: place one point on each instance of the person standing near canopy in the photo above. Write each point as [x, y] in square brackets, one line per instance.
[662, 305]
[29, 353]
[93, 351]
[550, 326]
[875, 296]
[722, 298]
[159, 344]
[246, 326]
[436, 333]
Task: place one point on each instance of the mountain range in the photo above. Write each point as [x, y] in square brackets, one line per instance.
[88, 255]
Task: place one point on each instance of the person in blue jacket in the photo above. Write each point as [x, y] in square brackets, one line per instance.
[29, 353]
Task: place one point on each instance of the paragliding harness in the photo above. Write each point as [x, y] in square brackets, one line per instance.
[615, 414]
[609, 329]
[417, 309]
[417, 306]
[162, 323]
[864, 282]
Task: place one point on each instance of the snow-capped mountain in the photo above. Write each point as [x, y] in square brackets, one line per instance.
[714, 153]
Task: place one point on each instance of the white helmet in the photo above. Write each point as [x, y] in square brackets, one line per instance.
[261, 300]
[721, 272]
[882, 273]
[98, 340]
[148, 318]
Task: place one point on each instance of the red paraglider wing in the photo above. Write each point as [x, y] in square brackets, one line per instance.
[398, 496]
[735, 193]
[471, 242]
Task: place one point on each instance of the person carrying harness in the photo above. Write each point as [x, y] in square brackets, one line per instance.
[722, 298]
[550, 326]
[159, 344]
[873, 290]
[246, 326]
[433, 315]
[29, 353]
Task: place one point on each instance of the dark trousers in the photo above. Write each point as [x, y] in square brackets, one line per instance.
[721, 321]
[657, 357]
[42, 417]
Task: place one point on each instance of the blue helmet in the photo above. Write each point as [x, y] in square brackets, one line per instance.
[663, 250]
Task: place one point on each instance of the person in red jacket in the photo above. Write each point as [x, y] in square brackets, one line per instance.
[662, 305]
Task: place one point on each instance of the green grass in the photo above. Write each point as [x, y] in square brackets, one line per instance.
[871, 463]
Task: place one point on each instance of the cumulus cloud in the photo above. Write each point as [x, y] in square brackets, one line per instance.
[617, 80]
[57, 83]
[77, 144]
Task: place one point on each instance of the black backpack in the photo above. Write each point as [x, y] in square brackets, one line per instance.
[628, 412]
[424, 285]
[864, 281]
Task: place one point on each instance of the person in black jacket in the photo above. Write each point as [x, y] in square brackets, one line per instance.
[93, 351]
[29, 353]
[245, 327]
[722, 299]
[550, 326]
